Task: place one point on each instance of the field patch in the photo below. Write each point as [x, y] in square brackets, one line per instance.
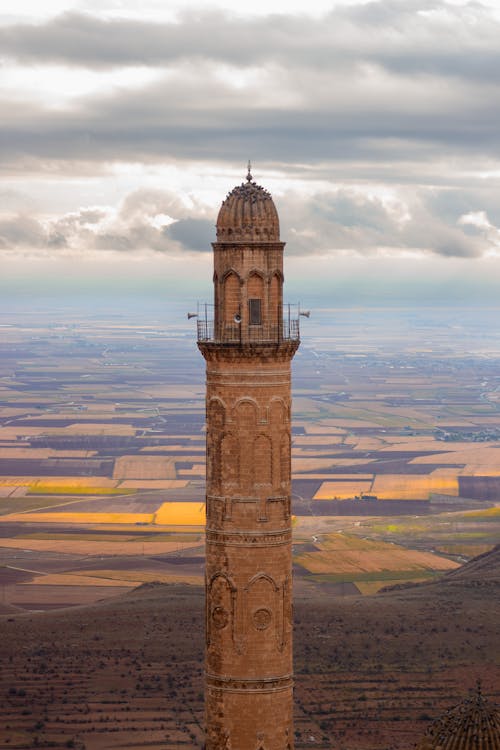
[154, 484]
[40, 488]
[180, 514]
[79, 547]
[81, 579]
[413, 486]
[340, 554]
[343, 489]
[81, 518]
[144, 467]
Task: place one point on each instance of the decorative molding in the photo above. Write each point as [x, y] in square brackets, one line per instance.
[248, 538]
[244, 685]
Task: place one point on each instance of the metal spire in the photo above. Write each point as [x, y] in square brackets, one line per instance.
[249, 173]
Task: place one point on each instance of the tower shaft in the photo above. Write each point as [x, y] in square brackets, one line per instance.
[248, 351]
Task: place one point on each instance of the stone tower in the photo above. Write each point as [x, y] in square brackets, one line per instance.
[248, 348]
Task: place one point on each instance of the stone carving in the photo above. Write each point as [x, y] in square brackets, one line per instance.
[220, 617]
[262, 618]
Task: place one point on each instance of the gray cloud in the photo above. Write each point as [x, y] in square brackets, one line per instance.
[324, 223]
[412, 36]
[347, 220]
[142, 223]
[385, 87]
[193, 234]
[382, 92]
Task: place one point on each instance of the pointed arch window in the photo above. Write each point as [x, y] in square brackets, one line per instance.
[255, 312]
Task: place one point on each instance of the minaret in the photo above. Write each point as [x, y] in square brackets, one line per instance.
[248, 348]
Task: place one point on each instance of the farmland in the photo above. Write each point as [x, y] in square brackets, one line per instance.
[396, 449]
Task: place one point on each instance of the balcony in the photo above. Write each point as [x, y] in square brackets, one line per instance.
[238, 333]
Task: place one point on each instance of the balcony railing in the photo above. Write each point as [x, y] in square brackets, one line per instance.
[239, 333]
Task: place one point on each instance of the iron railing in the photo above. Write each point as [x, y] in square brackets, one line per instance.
[239, 333]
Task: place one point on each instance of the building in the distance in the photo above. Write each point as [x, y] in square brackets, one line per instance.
[473, 724]
[248, 345]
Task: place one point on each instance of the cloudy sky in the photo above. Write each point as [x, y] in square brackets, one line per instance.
[375, 125]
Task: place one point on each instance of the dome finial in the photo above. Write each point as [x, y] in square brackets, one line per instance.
[249, 173]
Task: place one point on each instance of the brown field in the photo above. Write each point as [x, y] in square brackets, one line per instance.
[413, 487]
[320, 428]
[80, 579]
[136, 577]
[76, 547]
[171, 448]
[6, 452]
[144, 467]
[306, 440]
[342, 554]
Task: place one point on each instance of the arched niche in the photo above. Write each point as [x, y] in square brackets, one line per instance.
[221, 600]
[263, 460]
[245, 413]
[231, 297]
[275, 298]
[229, 458]
[277, 412]
[216, 413]
[285, 462]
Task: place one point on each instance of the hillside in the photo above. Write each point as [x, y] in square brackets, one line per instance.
[370, 671]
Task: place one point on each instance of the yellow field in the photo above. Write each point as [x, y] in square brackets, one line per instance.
[178, 514]
[343, 490]
[368, 588]
[413, 486]
[56, 481]
[83, 518]
[54, 489]
[154, 484]
[15, 482]
[476, 454]
[488, 513]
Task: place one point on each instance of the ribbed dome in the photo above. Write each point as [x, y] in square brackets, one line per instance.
[472, 725]
[248, 214]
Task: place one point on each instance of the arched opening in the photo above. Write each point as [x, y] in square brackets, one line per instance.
[255, 296]
[231, 298]
[229, 459]
[275, 300]
[263, 461]
[246, 419]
